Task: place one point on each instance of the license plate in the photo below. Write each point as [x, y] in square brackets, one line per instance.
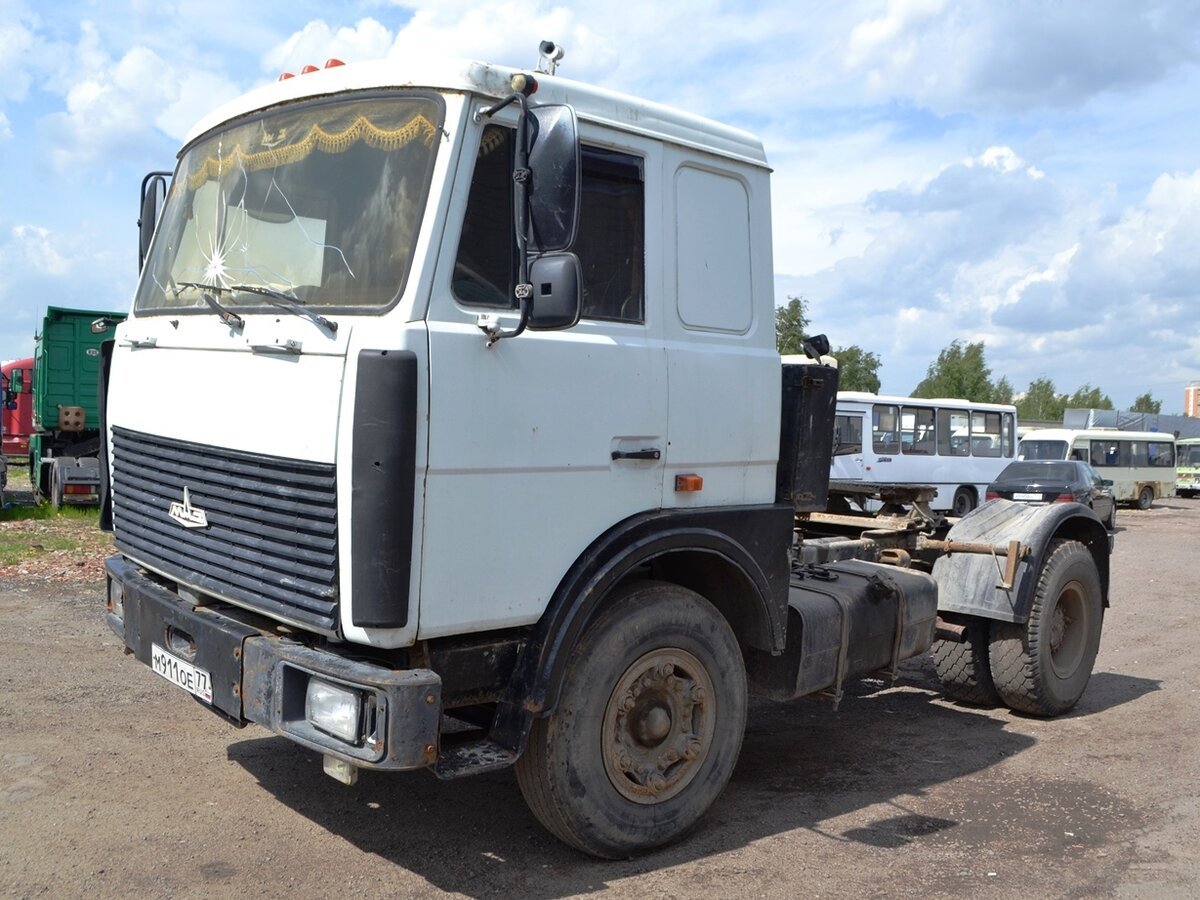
[182, 673]
[1025, 495]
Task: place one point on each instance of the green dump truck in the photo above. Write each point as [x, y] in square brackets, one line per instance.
[63, 461]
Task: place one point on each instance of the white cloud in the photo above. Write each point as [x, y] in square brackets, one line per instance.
[38, 249]
[17, 44]
[115, 107]
[317, 42]
[192, 95]
[1022, 54]
[5, 128]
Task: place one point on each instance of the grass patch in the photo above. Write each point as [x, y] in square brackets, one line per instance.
[43, 511]
[17, 546]
[37, 533]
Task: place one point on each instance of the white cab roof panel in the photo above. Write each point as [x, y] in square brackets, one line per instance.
[592, 104]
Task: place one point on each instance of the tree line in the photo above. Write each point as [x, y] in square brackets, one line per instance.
[960, 371]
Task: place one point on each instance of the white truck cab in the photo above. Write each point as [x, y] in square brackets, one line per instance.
[451, 393]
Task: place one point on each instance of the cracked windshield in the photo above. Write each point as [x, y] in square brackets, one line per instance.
[320, 204]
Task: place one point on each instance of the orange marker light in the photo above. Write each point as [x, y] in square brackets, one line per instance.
[333, 61]
[309, 68]
[688, 483]
[284, 76]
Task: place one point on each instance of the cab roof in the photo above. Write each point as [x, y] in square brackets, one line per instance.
[591, 103]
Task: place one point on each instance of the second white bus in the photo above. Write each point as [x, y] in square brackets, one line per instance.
[1140, 464]
[957, 446]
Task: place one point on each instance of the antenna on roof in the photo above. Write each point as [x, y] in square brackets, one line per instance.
[551, 53]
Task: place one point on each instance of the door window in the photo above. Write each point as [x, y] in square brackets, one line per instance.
[610, 242]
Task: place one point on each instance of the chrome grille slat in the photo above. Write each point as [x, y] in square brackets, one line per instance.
[271, 540]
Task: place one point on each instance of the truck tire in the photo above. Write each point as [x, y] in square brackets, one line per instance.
[1145, 498]
[56, 488]
[647, 729]
[1042, 667]
[964, 502]
[964, 668]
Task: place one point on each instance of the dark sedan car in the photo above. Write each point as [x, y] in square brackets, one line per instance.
[1056, 481]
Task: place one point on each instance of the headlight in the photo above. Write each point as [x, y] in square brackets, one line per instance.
[116, 598]
[333, 709]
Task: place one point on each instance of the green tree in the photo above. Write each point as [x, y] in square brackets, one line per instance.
[1146, 404]
[960, 371]
[1088, 397]
[791, 323]
[858, 369]
[1041, 402]
[1002, 391]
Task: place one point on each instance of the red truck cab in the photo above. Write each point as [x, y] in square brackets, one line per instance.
[17, 410]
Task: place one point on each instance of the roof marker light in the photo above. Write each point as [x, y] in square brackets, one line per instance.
[333, 61]
[523, 84]
[284, 76]
[309, 68]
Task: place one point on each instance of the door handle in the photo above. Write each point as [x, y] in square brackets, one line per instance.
[650, 453]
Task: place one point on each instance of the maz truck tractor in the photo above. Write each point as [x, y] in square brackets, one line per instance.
[447, 431]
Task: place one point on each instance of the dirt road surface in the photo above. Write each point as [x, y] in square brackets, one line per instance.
[114, 783]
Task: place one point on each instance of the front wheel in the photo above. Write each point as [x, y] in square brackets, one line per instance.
[1042, 666]
[647, 729]
[1145, 498]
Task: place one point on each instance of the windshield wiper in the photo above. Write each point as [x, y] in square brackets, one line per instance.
[228, 316]
[292, 304]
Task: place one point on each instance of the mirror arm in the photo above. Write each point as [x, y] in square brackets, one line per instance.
[523, 290]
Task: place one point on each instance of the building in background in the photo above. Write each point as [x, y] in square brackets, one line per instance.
[1191, 400]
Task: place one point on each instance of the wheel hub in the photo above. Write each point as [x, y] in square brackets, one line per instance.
[1068, 630]
[658, 725]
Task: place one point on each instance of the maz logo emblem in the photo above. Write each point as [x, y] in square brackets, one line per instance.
[187, 515]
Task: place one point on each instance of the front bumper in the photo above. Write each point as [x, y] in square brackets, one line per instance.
[262, 677]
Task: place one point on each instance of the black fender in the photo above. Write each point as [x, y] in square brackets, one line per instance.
[968, 583]
[748, 544]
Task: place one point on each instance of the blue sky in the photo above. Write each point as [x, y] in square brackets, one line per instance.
[1022, 173]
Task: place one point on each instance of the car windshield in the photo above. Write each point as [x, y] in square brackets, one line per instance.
[319, 202]
[1038, 471]
[1189, 456]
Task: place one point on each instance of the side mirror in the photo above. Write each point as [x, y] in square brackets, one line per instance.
[16, 382]
[816, 346]
[101, 325]
[557, 297]
[555, 175]
[154, 185]
[1106, 482]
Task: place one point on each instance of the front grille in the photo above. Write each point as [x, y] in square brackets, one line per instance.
[271, 539]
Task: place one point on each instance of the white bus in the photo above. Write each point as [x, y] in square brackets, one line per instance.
[1140, 464]
[957, 446]
[1187, 467]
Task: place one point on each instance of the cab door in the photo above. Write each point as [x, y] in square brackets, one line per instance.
[849, 433]
[539, 443]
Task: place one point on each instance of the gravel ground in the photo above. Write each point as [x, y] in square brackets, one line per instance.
[113, 783]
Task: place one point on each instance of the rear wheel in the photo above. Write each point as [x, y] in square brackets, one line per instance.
[964, 669]
[56, 487]
[964, 502]
[1042, 666]
[647, 729]
[1145, 498]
